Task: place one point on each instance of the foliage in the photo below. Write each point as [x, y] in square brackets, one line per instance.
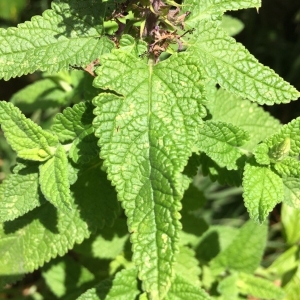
[174, 100]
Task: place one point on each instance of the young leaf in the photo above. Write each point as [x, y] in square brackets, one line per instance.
[146, 137]
[212, 9]
[261, 154]
[227, 107]
[263, 189]
[235, 69]
[240, 258]
[54, 179]
[75, 124]
[257, 287]
[220, 141]
[66, 35]
[286, 142]
[123, 287]
[19, 193]
[28, 139]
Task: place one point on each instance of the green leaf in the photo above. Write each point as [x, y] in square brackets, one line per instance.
[292, 288]
[247, 115]
[289, 167]
[28, 139]
[135, 47]
[41, 94]
[220, 141]
[75, 125]
[232, 25]
[109, 244]
[286, 262]
[19, 193]
[257, 287]
[66, 35]
[67, 278]
[261, 153]
[227, 287]
[290, 218]
[187, 265]
[243, 258]
[10, 10]
[286, 142]
[54, 179]
[222, 175]
[235, 69]
[263, 189]
[182, 289]
[291, 188]
[103, 199]
[123, 287]
[146, 137]
[211, 9]
[31, 240]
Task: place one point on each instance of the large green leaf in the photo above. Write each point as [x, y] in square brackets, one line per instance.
[235, 69]
[66, 35]
[27, 138]
[146, 137]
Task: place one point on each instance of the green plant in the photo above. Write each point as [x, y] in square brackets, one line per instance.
[153, 115]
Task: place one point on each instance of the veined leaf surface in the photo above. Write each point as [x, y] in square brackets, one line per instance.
[235, 69]
[146, 136]
[68, 34]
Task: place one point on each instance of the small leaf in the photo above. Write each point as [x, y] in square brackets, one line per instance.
[261, 153]
[257, 287]
[75, 125]
[54, 179]
[19, 193]
[263, 189]
[227, 287]
[279, 151]
[220, 141]
[286, 142]
[291, 191]
[291, 221]
[235, 69]
[28, 139]
[123, 287]
[240, 258]
[232, 25]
